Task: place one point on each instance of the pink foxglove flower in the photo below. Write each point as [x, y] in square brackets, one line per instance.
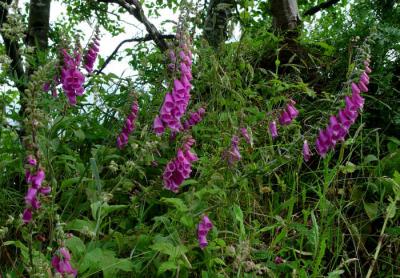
[34, 192]
[245, 135]
[177, 101]
[71, 78]
[194, 118]
[289, 114]
[339, 125]
[306, 151]
[203, 228]
[233, 154]
[180, 168]
[61, 262]
[91, 55]
[129, 126]
[273, 130]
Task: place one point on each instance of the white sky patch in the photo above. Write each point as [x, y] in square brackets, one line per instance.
[133, 29]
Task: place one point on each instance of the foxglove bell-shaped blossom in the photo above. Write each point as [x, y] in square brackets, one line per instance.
[203, 228]
[33, 193]
[339, 125]
[273, 130]
[306, 151]
[180, 168]
[71, 78]
[289, 114]
[91, 54]
[129, 126]
[245, 135]
[61, 262]
[233, 154]
[194, 118]
[177, 101]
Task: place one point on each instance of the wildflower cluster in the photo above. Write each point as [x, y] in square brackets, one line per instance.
[61, 262]
[194, 118]
[289, 114]
[176, 101]
[233, 154]
[340, 124]
[35, 179]
[129, 126]
[286, 117]
[91, 54]
[245, 135]
[72, 78]
[203, 228]
[179, 169]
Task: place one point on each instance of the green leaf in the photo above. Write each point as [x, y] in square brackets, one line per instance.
[371, 209]
[370, 158]
[175, 202]
[348, 168]
[76, 245]
[165, 266]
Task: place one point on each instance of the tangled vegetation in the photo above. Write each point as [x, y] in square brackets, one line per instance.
[275, 154]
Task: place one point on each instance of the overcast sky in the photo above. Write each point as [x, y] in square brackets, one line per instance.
[133, 28]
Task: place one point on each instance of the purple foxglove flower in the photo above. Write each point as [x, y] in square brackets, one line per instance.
[202, 242]
[203, 228]
[45, 190]
[172, 56]
[245, 135]
[358, 100]
[27, 216]
[354, 88]
[129, 126]
[158, 126]
[38, 179]
[322, 149]
[61, 263]
[292, 111]
[273, 130]
[31, 160]
[278, 260]
[364, 79]
[306, 151]
[368, 70]
[366, 63]
[91, 55]
[346, 123]
[46, 87]
[285, 118]
[362, 87]
[350, 105]
[191, 157]
[30, 195]
[178, 86]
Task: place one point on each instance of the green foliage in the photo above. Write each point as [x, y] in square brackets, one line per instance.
[109, 208]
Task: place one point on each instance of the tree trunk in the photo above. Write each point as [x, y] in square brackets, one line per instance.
[38, 25]
[285, 14]
[215, 25]
[16, 71]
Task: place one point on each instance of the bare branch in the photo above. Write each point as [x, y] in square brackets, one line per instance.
[320, 7]
[135, 8]
[111, 57]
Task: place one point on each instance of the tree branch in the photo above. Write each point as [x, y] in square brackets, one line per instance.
[111, 57]
[135, 8]
[320, 7]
